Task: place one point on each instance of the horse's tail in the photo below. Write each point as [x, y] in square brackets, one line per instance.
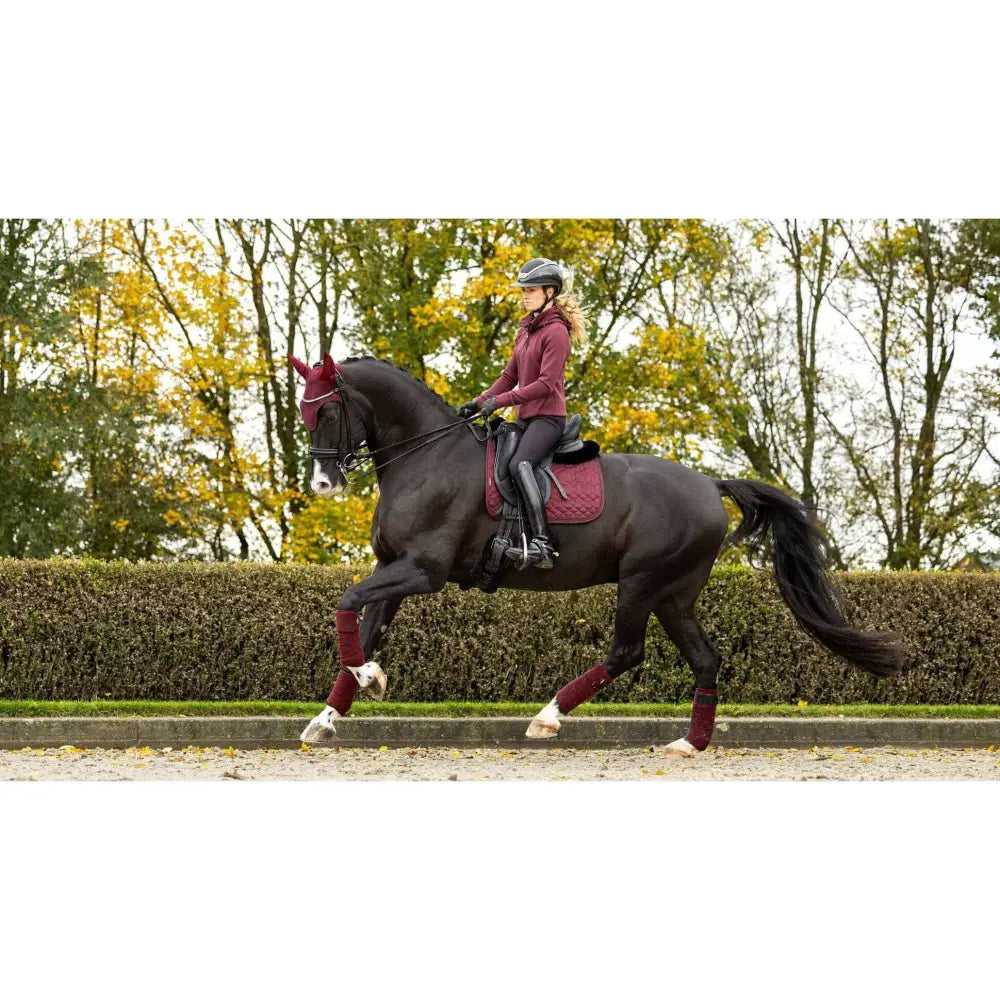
[800, 570]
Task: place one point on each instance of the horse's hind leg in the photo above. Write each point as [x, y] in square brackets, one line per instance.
[687, 634]
[631, 620]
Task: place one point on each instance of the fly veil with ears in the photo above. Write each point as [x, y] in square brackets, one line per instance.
[324, 384]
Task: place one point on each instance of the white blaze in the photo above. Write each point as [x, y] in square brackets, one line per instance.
[320, 482]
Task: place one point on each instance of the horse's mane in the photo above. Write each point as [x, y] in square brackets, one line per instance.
[413, 378]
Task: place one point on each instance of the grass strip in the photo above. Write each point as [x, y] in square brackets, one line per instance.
[456, 709]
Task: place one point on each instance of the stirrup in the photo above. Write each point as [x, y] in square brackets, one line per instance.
[540, 553]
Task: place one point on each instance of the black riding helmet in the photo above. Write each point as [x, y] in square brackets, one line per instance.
[540, 272]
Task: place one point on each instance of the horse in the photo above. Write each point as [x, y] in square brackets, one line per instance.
[661, 530]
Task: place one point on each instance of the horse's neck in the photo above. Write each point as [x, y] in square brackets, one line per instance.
[400, 408]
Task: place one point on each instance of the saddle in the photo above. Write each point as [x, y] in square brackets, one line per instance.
[569, 450]
[579, 495]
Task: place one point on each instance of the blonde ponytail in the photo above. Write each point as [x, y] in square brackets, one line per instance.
[572, 311]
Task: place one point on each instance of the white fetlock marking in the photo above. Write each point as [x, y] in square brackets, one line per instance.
[546, 724]
[550, 713]
[366, 673]
[681, 748]
[371, 679]
[321, 727]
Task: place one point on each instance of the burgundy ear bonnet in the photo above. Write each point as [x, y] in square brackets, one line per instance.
[321, 387]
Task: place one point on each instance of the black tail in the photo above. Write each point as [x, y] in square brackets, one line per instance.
[800, 569]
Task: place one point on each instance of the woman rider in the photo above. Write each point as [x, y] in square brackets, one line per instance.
[538, 369]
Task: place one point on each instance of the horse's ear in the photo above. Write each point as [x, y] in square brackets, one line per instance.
[300, 366]
[329, 367]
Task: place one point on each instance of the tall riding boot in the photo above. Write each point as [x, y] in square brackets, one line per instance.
[540, 551]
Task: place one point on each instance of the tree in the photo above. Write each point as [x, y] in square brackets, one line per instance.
[912, 447]
[40, 425]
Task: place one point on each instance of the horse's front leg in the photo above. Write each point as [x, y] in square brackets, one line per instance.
[388, 585]
[374, 626]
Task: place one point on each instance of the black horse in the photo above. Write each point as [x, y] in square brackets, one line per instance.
[661, 530]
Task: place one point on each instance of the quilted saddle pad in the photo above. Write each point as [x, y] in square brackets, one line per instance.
[583, 484]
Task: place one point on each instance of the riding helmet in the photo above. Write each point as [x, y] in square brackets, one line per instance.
[540, 272]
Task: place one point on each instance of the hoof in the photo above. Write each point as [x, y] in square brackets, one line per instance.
[680, 748]
[541, 730]
[321, 729]
[371, 680]
[546, 724]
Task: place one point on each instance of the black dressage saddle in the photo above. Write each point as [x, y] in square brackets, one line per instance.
[569, 450]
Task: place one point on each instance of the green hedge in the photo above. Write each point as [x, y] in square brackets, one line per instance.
[84, 629]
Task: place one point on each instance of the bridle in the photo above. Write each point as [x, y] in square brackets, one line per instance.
[350, 458]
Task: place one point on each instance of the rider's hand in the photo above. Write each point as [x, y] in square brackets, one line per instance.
[468, 409]
[489, 405]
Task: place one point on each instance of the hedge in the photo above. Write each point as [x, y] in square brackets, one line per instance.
[74, 629]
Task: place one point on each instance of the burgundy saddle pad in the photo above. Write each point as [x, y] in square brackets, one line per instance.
[583, 483]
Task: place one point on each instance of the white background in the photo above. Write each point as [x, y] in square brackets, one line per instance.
[450, 109]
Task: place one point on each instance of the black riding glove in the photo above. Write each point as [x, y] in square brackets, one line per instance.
[486, 410]
[468, 409]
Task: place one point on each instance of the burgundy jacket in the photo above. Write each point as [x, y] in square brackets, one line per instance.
[538, 368]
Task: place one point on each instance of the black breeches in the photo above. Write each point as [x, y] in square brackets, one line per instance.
[539, 438]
